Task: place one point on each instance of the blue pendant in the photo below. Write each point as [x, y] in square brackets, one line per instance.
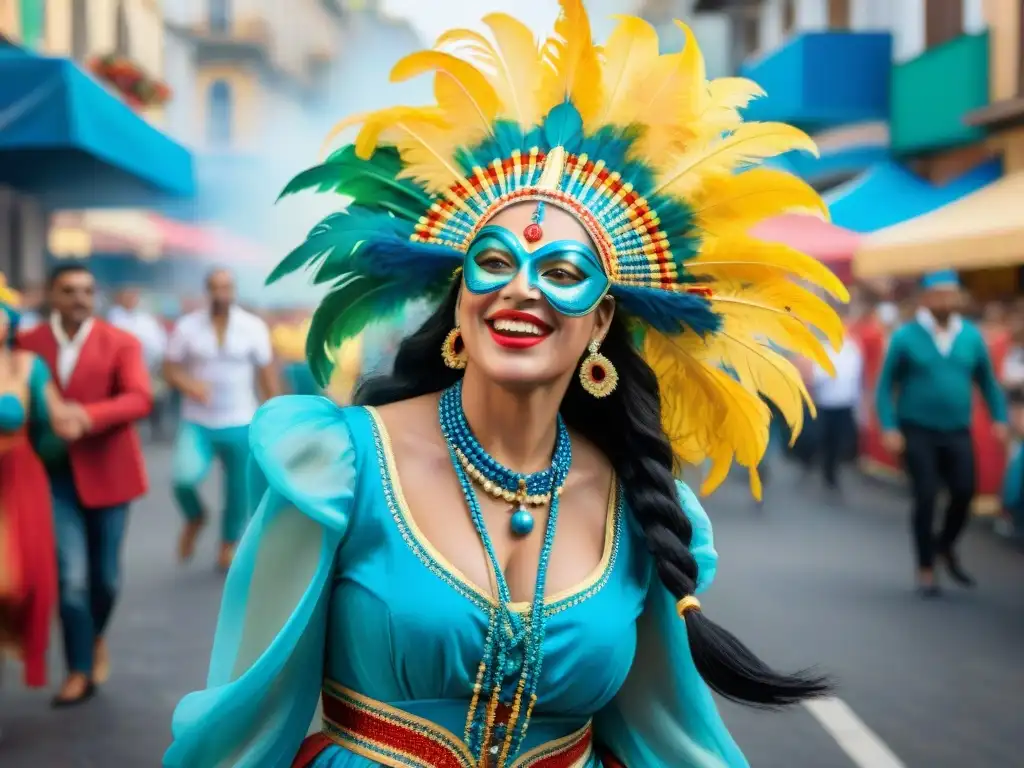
[522, 522]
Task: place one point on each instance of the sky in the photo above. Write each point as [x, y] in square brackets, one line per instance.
[432, 17]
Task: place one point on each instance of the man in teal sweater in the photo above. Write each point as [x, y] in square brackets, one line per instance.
[924, 400]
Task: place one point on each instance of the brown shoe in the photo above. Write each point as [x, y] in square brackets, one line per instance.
[226, 557]
[187, 540]
[100, 662]
[77, 689]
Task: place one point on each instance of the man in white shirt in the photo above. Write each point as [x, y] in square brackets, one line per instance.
[837, 400]
[128, 316]
[217, 358]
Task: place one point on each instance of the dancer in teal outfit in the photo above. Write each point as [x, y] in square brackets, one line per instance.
[220, 359]
[488, 562]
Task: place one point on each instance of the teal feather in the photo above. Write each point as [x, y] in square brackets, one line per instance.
[386, 254]
[372, 182]
[563, 127]
[668, 311]
[339, 233]
[354, 303]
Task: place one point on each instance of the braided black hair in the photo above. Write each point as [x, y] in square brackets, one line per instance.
[626, 427]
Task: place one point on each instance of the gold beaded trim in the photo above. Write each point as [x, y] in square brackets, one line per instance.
[493, 489]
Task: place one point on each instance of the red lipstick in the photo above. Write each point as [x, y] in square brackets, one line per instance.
[516, 339]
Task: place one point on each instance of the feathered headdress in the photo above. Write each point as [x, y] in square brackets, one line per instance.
[8, 295]
[653, 160]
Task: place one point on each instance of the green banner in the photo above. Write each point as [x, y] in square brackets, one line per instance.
[33, 22]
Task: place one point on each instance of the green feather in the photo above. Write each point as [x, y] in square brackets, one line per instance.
[336, 238]
[372, 182]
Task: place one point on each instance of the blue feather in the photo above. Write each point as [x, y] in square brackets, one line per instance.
[391, 256]
[667, 311]
[563, 127]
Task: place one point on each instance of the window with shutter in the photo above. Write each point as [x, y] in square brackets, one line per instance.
[1020, 49]
[944, 21]
[788, 16]
[838, 14]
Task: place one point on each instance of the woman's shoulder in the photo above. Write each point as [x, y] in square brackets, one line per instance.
[308, 446]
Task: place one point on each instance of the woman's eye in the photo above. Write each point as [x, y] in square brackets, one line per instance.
[494, 261]
[562, 275]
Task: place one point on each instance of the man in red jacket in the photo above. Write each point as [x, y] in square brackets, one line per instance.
[96, 471]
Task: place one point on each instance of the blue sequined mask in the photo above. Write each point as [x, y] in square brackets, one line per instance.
[567, 272]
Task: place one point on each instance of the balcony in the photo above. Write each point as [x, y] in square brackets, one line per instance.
[958, 70]
[821, 80]
[249, 39]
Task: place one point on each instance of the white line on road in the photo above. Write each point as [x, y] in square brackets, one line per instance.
[854, 737]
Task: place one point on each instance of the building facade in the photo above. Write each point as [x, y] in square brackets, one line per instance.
[118, 156]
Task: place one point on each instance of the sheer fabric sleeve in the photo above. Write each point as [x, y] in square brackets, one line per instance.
[664, 716]
[267, 663]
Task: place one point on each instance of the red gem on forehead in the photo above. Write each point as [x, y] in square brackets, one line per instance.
[533, 233]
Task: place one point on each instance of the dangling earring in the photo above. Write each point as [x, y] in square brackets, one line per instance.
[453, 350]
[597, 374]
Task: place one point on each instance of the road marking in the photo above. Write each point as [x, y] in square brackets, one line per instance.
[858, 741]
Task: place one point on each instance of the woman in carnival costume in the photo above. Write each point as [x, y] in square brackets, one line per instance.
[28, 561]
[490, 562]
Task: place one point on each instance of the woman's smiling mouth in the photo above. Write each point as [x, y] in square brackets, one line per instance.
[513, 329]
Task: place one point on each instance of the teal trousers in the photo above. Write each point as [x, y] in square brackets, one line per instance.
[195, 450]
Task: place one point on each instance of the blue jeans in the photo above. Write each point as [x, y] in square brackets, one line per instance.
[89, 568]
[194, 452]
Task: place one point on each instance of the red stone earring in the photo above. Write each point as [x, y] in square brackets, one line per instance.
[597, 374]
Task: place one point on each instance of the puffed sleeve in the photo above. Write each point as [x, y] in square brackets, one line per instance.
[267, 663]
[664, 716]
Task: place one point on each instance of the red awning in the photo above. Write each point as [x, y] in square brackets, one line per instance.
[204, 242]
[830, 244]
[148, 235]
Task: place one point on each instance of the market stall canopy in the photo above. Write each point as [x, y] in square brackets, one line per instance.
[148, 236]
[832, 245]
[982, 230]
[68, 140]
[888, 193]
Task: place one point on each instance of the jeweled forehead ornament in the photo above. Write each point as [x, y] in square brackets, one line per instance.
[534, 232]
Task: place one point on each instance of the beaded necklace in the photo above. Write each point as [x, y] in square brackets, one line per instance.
[495, 479]
[509, 672]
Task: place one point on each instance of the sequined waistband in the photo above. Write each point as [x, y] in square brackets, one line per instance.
[393, 737]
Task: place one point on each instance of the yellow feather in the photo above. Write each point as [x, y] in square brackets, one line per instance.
[463, 94]
[466, 42]
[572, 67]
[781, 311]
[726, 97]
[424, 140]
[763, 370]
[706, 413]
[340, 127]
[695, 93]
[749, 143]
[629, 55]
[737, 201]
[518, 66]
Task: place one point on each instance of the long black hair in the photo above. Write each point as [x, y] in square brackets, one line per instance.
[626, 427]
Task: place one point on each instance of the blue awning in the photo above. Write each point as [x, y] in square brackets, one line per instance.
[67, 140]
[888, 193]
[819, 80]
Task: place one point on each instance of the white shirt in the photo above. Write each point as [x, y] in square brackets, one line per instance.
[144, 327]
[844, 389]
[943, 337]
[229, 370]
[68, 350]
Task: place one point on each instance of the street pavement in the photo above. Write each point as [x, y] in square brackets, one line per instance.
[803, 580]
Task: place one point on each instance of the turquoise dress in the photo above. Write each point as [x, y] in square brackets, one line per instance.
[333, 585]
